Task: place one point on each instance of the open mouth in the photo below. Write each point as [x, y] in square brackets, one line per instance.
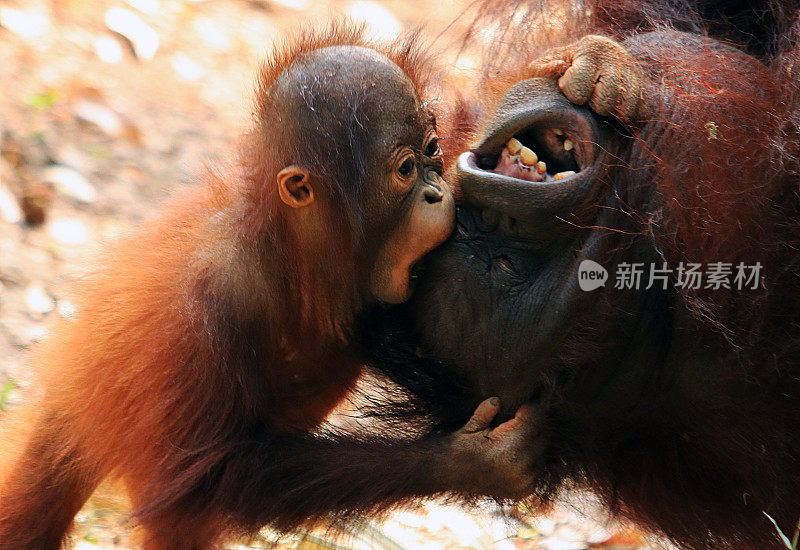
[535, 155]
[536, 163]
[511, 164]
[535, 148]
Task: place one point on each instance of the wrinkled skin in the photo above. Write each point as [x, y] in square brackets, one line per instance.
[520, 276]
[678, 408]
[514, 259]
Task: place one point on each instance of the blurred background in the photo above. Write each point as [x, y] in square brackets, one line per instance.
[108, 104]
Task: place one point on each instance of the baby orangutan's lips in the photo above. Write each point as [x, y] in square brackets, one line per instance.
[520, 162]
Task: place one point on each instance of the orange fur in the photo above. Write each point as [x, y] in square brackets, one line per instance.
[204, 323]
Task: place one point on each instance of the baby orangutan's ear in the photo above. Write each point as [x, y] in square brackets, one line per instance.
[294, 187]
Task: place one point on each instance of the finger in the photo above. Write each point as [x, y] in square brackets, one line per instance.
[505, 430]
[606, 93]
[483, 415]
[554, 64]
[525, 412]
[579, 80]
[628, 100]
[516, 427]
[548, 68]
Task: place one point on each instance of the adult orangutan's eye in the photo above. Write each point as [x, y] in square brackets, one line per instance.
[407, 167]
[433, 150]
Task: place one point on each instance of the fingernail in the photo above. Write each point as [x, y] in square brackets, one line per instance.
[495, 401]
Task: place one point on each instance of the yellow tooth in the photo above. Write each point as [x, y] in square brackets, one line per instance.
[558, 132]
[541, 167]
[562, 175]
[568, 145]
[528, 157]
[513, 146]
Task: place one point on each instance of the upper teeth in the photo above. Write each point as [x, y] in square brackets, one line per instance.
[514, 146]
[523, 157]
[528, 157]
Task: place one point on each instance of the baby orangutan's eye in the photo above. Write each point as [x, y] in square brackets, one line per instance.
[433, 150]
[407, 167]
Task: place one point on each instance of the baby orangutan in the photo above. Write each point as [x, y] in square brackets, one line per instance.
[214, 340]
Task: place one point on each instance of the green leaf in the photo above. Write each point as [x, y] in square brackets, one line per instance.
[44, 100]
[6, 390]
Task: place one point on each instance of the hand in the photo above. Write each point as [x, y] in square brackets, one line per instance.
[598, 71]
[494, 462]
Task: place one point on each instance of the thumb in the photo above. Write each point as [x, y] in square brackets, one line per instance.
[483, 415]
[548, 68]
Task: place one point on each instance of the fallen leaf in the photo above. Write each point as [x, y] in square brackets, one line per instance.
[108, 49]
[10, 210]
[23, 23]
[35, 200]
[142, 38]
[70, 183]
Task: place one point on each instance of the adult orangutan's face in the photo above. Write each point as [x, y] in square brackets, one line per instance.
[502, 292]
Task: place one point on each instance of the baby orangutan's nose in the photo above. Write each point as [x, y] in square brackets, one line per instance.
[433, 193]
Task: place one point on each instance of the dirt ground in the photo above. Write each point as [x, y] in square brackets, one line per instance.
[105, 107]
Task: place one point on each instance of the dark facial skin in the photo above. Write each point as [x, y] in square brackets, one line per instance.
[512, 261]
[405, 207]
[676, 405]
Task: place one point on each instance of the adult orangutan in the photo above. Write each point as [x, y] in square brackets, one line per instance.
[676, 400]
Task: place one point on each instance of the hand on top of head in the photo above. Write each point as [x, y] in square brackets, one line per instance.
[600, 72]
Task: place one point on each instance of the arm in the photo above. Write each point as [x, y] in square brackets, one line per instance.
[288, 480]
[599, 72]
[344, 476]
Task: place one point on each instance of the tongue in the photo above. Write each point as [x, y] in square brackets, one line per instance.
[513, 166]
